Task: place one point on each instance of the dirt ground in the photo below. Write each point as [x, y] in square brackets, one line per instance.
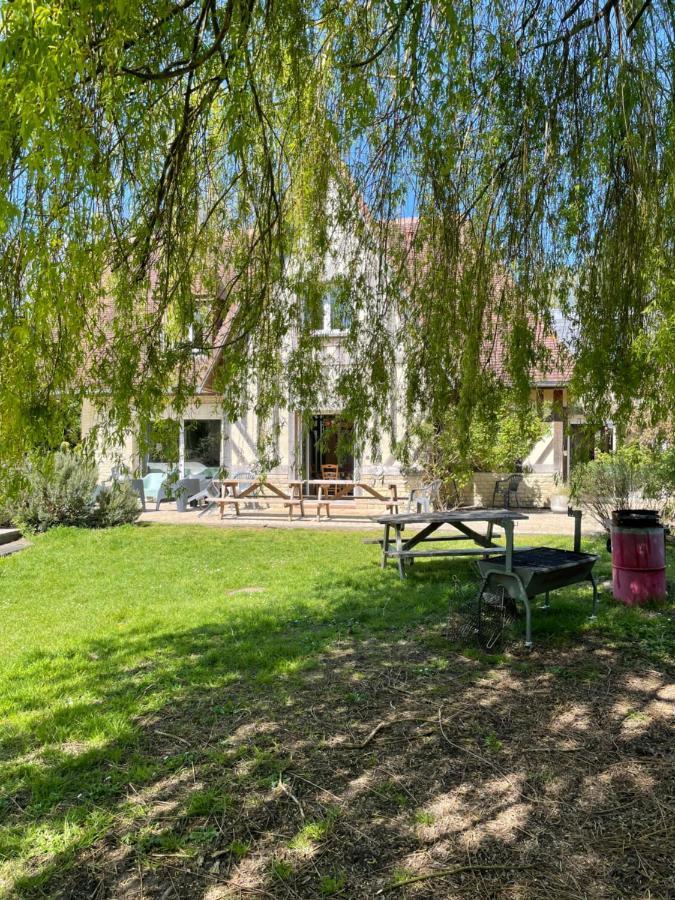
[409, 770]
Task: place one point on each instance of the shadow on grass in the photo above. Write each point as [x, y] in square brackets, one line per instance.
[248, 754]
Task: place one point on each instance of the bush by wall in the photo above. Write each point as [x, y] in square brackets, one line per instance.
[499, 437]
[633, 477]
[61, 489]
[117, 505]
[6, 513]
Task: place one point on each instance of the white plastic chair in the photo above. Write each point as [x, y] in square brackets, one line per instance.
[425, 498]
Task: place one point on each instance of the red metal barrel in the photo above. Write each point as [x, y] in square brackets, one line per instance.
[638, 556]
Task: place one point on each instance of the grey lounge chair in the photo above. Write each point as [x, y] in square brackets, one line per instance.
[184, 490]
[208, 491]
[138, 488]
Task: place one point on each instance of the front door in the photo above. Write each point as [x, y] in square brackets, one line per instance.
[326, 449]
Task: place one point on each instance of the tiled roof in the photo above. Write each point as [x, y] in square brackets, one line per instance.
[556, 372]
[557, 369]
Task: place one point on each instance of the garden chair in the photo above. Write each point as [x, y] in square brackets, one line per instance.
[208, 491]
[426, 498]
[138, 487]
[154, 487]
[330, 473]
[184, 490]
[507, 488]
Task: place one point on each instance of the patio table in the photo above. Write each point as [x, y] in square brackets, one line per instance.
[341, 487]
[231, 495]
[461, 520]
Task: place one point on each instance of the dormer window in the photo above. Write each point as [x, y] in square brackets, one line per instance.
[199, 331]
[194, 337]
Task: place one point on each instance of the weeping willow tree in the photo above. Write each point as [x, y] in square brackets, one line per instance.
[154, 152]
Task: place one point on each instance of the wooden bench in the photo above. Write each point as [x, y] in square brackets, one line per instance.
[251, 501]
[346, 503]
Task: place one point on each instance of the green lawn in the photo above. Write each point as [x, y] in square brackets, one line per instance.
[114, 642]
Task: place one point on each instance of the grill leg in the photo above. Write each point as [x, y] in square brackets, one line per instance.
[528, 612]
[546, 604]
[399, 548]
[479, 601]
[385, 546]
[594, 612]
[528, 623]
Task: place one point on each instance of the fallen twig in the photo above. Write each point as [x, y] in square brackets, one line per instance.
[317, 786]
[376, 730]
[250, 890]
[446, 873]
[174, 737]
[398, 720]
[289, 793]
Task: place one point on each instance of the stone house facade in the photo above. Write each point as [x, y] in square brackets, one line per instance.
[201, 440]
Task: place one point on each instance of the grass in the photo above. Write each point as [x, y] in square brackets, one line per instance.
[107, 633]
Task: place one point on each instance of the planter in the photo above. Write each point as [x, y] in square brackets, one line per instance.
[559, 503]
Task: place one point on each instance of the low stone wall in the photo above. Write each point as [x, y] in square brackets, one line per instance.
[535, 490]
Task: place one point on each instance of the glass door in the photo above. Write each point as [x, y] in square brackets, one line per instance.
[202, 447]
[326, 449]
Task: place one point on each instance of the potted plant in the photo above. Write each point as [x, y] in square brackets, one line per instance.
[560, 498]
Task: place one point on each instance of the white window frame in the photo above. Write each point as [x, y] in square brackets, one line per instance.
[327, 330]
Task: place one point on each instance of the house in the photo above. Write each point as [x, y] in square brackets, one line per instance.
[201, 440]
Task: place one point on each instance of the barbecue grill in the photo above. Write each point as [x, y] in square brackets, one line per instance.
[527, 573]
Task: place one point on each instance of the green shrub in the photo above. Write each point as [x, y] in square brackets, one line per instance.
[60, 489]
[6, 512]
[499, 436]
[633, 477]
[117, 505]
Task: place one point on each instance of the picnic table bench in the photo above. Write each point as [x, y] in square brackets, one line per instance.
[255, 492]
[339, 492]
[329, 493]
[462, 520]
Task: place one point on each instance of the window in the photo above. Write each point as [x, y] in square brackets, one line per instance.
[205, 324]
[314, 314]
[326, 309]
[198, 329]
[336, 308]
[162, 447]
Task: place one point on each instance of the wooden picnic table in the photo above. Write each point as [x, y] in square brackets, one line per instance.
[461, 520]
[341, 487]
[231, 495]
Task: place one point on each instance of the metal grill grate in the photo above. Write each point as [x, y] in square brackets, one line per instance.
[546, 558]
[482, 621]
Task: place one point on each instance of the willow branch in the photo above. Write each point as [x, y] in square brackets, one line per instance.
[395, 28]
[185, 66]
[637, 18]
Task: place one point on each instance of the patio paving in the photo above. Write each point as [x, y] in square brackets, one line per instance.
[540, 521]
